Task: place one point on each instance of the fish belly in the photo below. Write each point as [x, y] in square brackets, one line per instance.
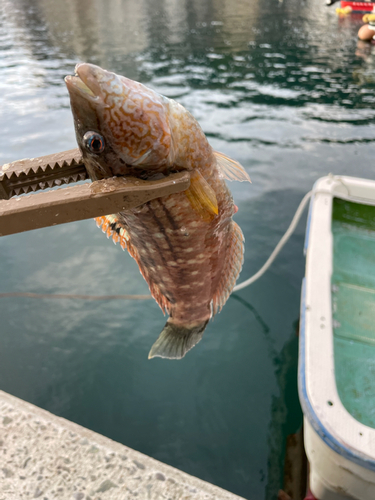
[180, 255]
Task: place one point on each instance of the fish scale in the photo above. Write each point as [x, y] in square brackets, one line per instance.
[187, 247]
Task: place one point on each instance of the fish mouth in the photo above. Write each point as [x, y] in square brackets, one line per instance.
[86, 81]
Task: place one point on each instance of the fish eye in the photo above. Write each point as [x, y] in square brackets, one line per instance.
[94, 142]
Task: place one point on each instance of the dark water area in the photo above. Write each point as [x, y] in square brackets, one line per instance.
[284, 88]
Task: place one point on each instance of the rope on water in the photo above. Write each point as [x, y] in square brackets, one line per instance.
[288, 233]
[238, 287]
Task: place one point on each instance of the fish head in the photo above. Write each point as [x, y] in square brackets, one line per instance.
[121, 125]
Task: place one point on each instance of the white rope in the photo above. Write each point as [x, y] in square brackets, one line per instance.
[288, 233]
[293, 225]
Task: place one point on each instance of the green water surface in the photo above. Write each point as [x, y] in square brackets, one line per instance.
[353, 300]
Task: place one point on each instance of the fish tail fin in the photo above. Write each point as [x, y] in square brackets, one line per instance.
[175, 341]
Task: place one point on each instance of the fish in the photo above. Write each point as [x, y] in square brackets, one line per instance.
[187, 246]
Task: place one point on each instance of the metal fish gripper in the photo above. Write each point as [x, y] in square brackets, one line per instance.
[21, 211]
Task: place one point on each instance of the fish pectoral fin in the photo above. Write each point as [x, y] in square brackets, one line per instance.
[111, 226]
[231, 270]
[231, 169]
[201, 196]
[175, 340]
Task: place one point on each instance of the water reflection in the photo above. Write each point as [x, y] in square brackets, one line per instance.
[211, 44]
[87, 29]
[248, 306]
[366, 74]
[286, 418]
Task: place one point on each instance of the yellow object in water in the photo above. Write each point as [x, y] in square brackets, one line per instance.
[344, 10]
[368, 18]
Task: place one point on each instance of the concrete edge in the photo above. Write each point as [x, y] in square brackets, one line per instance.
[42, 455]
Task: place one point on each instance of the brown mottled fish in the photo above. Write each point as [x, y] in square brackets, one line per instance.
[187, 247]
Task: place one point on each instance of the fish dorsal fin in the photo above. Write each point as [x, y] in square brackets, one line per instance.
[231, 169]
[111, 226]
[231, 270]
[201, 196]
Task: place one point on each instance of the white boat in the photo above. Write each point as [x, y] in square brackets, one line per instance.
[337, 339]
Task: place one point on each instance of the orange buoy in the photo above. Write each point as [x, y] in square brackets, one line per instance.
[366, 33]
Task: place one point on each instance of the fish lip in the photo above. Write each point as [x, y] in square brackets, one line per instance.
[76, 86]
[86, 81]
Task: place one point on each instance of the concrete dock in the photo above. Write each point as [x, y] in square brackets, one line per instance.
[48, 457]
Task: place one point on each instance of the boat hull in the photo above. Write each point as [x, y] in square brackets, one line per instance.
[340, 448]
[332, 476]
